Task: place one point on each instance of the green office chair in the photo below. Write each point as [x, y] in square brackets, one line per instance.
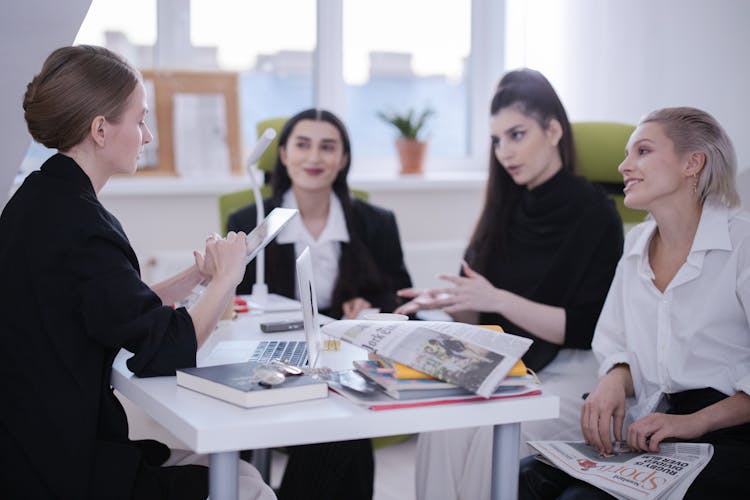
[600, 147]
[230, 202]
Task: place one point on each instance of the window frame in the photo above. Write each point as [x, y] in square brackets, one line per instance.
[486, 65]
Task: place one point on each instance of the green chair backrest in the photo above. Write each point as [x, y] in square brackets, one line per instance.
[600, 148]
[230, 202]
[267, 161]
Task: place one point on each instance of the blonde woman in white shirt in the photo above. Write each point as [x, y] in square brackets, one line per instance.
[673, 339]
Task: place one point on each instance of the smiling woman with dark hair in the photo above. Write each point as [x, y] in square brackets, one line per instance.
[357, 263]
[355, 246]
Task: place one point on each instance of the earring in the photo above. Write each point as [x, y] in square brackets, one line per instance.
[695, 183]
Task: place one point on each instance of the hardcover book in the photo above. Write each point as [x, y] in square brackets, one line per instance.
[403, 388]
[237, 383]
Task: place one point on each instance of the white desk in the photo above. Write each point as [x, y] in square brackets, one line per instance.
[221, 429]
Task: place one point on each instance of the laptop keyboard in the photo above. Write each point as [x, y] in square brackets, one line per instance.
[293, 352]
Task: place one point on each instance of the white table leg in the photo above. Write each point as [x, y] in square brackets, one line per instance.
[262, 462]
[223, 475]
[505, 441]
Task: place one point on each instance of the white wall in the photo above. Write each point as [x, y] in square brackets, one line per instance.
[609, 60]
[29, 31]
[164, 221]
[618, 60]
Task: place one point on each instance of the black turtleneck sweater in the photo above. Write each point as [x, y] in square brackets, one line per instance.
[564, 241]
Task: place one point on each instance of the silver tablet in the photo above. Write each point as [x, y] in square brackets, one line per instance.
[267, 230]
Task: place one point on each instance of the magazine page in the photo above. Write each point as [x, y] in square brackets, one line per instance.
[470, 356]
[628, 474]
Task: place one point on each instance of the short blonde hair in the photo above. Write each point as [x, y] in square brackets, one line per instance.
[691, 129]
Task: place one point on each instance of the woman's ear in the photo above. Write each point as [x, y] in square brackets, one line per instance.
[344, 160]
[554, 131]
[98, 130]
[282, 154]
[696, 160]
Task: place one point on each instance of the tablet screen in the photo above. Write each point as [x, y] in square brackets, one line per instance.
[267, 230]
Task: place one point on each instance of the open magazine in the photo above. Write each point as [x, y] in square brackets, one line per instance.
[470, 356]
[630, 474]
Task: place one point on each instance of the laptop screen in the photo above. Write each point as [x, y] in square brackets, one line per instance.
[309, 304]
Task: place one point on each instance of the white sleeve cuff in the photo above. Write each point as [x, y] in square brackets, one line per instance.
[743, 385]
[612, 360]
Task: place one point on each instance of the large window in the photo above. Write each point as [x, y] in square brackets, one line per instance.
[271, 44]
[394, 59]
[354, 57]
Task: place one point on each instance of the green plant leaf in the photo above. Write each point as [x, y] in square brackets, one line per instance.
[409, 125]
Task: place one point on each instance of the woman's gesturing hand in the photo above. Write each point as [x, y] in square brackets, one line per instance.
[422, 300]
[470, 293]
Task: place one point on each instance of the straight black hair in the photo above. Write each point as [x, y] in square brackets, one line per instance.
[358, 274]
[530, 93]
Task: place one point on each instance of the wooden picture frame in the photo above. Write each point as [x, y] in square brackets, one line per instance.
[166, 85]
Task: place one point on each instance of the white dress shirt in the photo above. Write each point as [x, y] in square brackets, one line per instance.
[324, 252]
[694, 335]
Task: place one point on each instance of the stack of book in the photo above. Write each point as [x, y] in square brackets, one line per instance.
[402, 382]
[391, 385]
[426, 363]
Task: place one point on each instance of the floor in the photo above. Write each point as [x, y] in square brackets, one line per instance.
[394, 470]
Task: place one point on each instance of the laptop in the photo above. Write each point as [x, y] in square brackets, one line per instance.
[298, 352]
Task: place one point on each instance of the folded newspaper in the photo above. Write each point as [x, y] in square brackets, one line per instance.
[466, 355]
[628, 474]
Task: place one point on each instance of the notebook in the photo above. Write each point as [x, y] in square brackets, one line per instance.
[298, 352]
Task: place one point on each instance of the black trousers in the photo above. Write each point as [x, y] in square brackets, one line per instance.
[343, 470]
[725, 475]
[154, 482]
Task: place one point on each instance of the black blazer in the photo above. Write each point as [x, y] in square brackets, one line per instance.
[377, 250]
[73, 297]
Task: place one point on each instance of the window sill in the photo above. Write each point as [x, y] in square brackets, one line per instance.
[175, 186]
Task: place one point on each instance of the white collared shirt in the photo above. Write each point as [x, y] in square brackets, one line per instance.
[324, 252]
[694, 335]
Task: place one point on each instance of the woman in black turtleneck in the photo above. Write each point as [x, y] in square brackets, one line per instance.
[539, 264]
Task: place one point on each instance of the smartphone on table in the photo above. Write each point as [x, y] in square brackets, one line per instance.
[287, 325]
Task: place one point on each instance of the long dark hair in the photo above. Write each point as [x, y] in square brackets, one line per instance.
[358, 274]
[529, 92]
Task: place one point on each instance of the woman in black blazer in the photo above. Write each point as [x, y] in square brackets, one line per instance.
[358, 264]
[310, 174]
[75, 297]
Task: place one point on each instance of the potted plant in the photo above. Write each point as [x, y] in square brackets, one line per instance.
[411, 149]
